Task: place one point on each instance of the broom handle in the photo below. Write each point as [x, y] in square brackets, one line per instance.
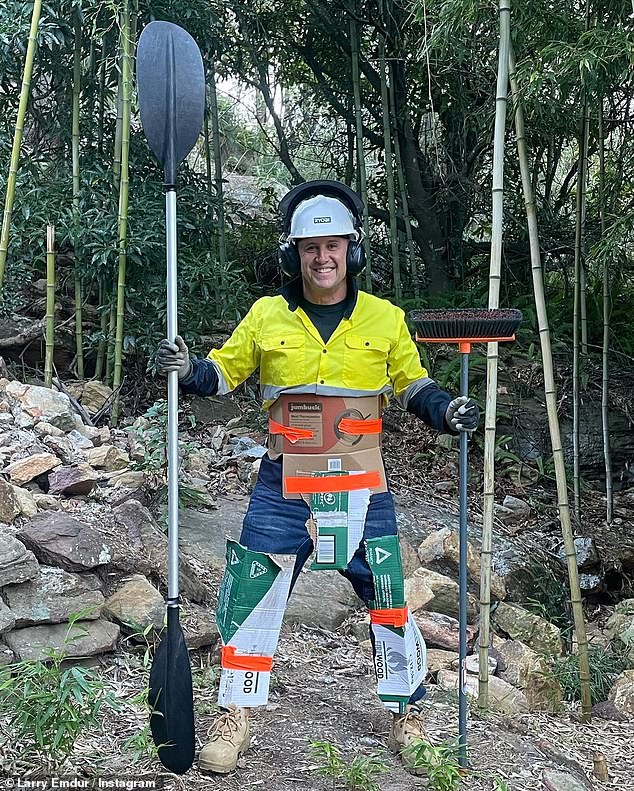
[462, 606]
[172, 404]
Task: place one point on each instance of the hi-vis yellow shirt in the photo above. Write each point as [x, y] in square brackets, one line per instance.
[371, 351]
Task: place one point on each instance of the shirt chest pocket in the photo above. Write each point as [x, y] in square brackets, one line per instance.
[283, 360]
[365, 362]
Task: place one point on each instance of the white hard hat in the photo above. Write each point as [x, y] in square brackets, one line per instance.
[322, 216]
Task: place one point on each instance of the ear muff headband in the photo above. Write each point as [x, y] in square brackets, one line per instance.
[288, 255]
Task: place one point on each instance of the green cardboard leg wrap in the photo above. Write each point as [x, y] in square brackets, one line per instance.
[400, 655]
[251, 604]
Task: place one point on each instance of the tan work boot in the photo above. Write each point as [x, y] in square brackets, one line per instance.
[406, 730]
[229, 737]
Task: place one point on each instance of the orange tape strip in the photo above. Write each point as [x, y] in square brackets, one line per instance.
[351, 426]
[395, 617]
[289, 432]
[332, 483]
[234, 661]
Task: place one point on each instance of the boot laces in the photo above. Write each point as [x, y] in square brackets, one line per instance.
[225, 727]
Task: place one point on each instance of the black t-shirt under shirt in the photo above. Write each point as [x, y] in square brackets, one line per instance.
[326, 318]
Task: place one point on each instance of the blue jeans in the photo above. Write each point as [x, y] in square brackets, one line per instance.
[278, 526]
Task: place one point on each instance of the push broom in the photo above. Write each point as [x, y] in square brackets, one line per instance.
[464, 327]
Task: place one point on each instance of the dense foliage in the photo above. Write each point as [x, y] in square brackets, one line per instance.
[295, 59]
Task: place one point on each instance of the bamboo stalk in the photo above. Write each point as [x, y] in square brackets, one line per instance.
[110, 340]
[101, 346]
[17, 136]
[123, 207]
[50, 306]
[579, 330]
[411, 252]
[389, 172]
[76, 190]
[116, 165]
[215, 134]
[361, 175]
[102, 99]
[495, 269]
[605, 353]
[551, 400]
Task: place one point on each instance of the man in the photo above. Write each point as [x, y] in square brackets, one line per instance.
[321, 342]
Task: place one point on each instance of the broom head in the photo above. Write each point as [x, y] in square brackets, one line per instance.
[468, 324]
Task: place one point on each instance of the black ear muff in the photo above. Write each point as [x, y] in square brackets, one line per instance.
[289, 259]
[355, 258]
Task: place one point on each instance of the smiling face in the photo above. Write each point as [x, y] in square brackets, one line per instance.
[323, 268]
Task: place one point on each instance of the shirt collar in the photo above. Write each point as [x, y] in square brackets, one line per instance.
[293, 291]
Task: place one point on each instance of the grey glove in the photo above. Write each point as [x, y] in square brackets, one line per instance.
[173, 357]
[463, 414]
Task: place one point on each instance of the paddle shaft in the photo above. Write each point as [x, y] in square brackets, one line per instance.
[172, 401]
[462, 605]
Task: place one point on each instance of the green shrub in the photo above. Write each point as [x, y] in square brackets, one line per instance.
[47, 705]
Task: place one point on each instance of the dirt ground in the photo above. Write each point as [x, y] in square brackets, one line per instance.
[323, 690]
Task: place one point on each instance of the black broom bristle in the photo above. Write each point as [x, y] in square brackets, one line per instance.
[466, 323]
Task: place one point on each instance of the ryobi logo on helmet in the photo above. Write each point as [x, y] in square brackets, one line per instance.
[322, 220]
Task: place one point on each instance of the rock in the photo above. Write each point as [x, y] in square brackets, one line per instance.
[215, 409]
[47, 502]
[438, 659]
[586, 551]
[17, 563]
[94, 395]
[590, 583]
[25, 501]
[64, 449]
[520, 566]
[620, 625]
[7, 618]
[556, 780]
[538, 633]
[200, 459]
[472, 664]
[130, 479]
[53, 596]
[525, 669]
[96, 435]
[9, 507]
[60, 540]
[108, 457]
[24, 470]
[147, 539]
[417, 592]
[199, 627]
[446, 594]
[308, 605]
[440, 552]
[409, 557]
[44, 429]
[78, 479]
[512, 509]
[502, 696]
[622, 694]
[79, 439]
[7, 656]
[136, 605]
[31, 404]
[441, 631]
[87, 638]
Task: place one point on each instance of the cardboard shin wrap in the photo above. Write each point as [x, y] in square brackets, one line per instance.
[329, 449]
[400, 654]
[251, 604]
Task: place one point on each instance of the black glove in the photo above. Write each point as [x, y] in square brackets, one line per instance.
[463, 414]
[173, 357]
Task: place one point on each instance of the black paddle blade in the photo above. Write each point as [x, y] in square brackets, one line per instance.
[171, 86]
[171, 699]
